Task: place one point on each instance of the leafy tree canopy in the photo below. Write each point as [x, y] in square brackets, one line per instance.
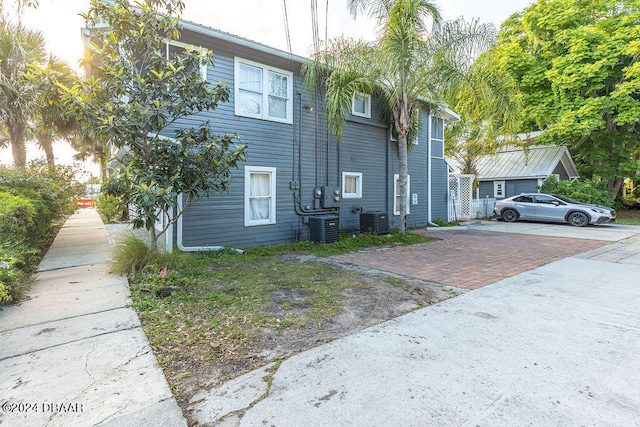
[136, 98]
[576, 62]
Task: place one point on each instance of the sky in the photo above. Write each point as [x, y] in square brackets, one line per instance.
[257, 20]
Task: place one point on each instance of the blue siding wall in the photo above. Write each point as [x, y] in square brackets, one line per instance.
[485, 189]
[512, 187]
[560, 170]
[364, 148]
[439, 190]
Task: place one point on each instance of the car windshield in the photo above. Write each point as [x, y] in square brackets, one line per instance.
[567, 199]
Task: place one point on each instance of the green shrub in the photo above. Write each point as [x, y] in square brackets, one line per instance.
[17, 266]
[31, 199]
[583, 190]
[17, 215]
[133, 255]
[110, 208]
[52, 189]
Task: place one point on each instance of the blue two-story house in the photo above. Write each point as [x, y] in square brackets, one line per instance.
[296, 171]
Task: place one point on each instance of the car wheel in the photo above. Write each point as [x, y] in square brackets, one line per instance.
[509, 215]
[578, 219]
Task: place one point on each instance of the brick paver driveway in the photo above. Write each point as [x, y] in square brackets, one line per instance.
[470, 259]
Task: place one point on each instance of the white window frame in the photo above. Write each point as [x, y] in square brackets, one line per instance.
[367, 105]
[358, 177]
[435, 140]
[248, 170]
[203, 67]
[264, 107]
[440, 120]
[499, 189]
[396, 179]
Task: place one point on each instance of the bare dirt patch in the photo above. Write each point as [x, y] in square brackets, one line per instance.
[196, 365]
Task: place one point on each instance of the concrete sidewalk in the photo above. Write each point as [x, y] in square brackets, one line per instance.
[557, 345]
[75, 353]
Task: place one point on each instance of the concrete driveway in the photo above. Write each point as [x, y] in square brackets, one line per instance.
[554, 345]
[607, 232]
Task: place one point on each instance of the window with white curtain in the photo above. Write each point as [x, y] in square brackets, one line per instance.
[263, 92]
[396, 194]
[351, 185]
[259, 195]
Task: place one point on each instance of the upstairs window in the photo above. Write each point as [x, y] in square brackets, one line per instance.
[263, 92]
[437, 128]
[361, 105]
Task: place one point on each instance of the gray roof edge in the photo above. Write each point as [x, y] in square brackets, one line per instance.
[512, 178]
[212, 32]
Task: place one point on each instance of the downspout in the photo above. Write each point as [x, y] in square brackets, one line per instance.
[328, 156]
[317, 148]
[389, 181]
[430, 176]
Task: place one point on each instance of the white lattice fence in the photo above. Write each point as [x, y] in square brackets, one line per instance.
[461, 197]
[482, 207]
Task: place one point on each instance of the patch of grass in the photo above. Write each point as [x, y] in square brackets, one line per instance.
[225, 304]
[132, 254]
[628, 217]
[441, 223]
[396, 281]
[218, 308]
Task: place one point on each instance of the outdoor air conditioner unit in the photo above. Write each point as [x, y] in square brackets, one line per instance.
[324, 229]
[374, 222]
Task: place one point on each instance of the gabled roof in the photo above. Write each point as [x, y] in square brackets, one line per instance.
[515, 163]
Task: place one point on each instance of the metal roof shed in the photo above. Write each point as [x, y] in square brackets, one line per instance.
[514, 170]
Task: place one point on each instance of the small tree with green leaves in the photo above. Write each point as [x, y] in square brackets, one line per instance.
[134, 98]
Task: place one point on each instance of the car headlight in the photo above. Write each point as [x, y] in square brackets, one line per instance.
[600, 211]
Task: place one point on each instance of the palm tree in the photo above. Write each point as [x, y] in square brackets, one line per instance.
[411, 64]
[89, 146]
[490, 107]
[19, 47]
[53, 121]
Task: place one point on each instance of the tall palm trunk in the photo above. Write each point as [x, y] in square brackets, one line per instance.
[18, 146]
[403, 173]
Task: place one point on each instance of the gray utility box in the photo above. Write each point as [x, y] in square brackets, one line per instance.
[374, 222]
[324, 229]
[330, 197]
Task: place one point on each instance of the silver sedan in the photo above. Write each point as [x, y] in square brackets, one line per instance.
[552, 208]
